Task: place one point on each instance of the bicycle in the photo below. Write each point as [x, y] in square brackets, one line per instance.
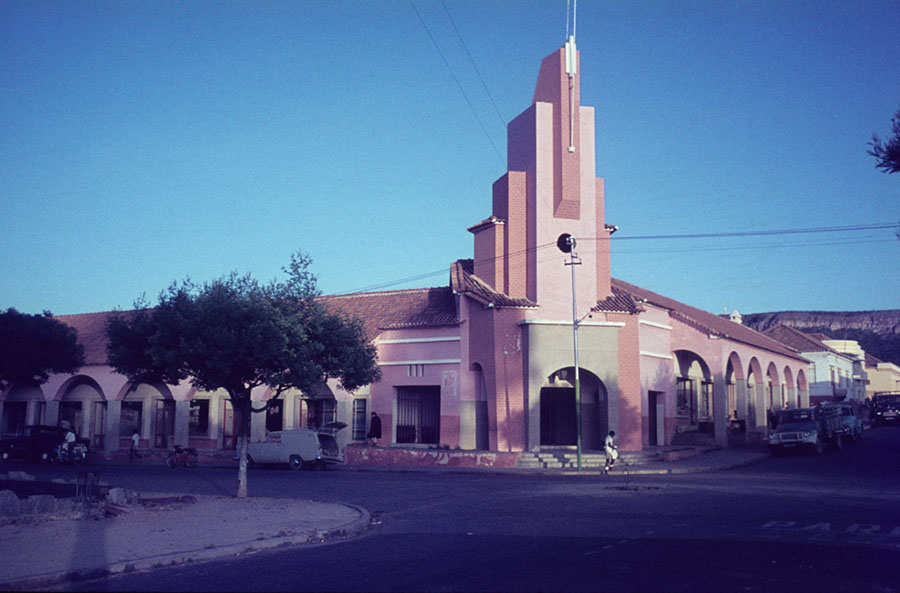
[182, 456]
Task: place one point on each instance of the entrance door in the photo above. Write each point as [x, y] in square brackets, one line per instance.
[164, 431]
[558, 416]
[230, 425]
[656, 418]
[99, 428]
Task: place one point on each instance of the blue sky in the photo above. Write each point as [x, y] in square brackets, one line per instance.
[145, 142]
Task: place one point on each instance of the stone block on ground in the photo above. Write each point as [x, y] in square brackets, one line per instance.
[9, 503]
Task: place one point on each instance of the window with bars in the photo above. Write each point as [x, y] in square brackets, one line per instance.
[685, 396]
[418, 414]
[706, 399]
[359, 419]
[198, 425]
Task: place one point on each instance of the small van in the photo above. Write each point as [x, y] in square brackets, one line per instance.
[298, 447]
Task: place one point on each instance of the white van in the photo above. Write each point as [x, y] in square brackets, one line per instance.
[298, 447]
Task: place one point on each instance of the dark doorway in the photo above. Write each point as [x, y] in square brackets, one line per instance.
[652, 420]
[419, 414]
[164, 430]
[558, 416]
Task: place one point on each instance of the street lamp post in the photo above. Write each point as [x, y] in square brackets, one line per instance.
[566, 244]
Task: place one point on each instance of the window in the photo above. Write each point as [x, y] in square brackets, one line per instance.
[415, 370]
[130, 418]
[275, 416]
[320, 412]
[70, 415]
[706, 399]
[418, 414]
[198, 425]
[359, 419]
[731, 391]
[13, 418]
[684, 396]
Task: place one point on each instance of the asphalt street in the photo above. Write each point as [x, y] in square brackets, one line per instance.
[798, 523]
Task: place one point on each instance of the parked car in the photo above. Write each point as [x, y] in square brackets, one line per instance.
[886, 408]
[852, 423]
[807, 429]
[299, 447]
[36, 443]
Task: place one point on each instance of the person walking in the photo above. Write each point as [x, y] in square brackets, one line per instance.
[612, 453]
[374, 430]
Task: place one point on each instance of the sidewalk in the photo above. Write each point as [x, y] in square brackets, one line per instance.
[162, 529]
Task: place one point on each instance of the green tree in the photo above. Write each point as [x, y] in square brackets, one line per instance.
[236, 334]
[887, 152]
[32, 347]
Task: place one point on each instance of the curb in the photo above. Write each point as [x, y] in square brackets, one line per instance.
[349, 529]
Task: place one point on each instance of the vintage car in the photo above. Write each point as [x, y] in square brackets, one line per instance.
[886, 408]
[298, 447]
[806, 429]
[36, 443]
[853, 428]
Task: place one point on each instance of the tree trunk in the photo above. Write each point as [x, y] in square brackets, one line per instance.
[243, 405]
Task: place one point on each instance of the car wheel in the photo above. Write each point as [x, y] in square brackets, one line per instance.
[859, 434]
[296, 462]
[819, 447]
[838, 442]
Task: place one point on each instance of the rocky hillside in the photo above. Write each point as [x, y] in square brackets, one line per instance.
[878, 332]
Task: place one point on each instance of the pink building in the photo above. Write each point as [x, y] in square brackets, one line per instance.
[487, 362]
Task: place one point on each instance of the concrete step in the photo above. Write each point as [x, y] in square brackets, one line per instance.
[568, 458]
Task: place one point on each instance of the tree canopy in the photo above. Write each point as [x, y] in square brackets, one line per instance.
[32, 347]
[887, 152]
[237, 334]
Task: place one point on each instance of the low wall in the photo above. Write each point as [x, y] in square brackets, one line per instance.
[428, 457]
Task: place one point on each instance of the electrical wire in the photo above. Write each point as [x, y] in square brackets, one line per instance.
[456, 80]
[472, 61]
[878, 226]
[834, 229]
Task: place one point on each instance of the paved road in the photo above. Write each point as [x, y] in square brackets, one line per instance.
[796, 523]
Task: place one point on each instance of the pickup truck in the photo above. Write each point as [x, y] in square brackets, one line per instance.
[886, 407]
[807, 429]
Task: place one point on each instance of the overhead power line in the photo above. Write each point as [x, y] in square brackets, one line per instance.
[807, 230]
[456, 80]
[477, 71]
[832, 229]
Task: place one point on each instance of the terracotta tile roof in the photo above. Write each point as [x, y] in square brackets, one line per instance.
[819, 336]
[464, 281]
[418, 307]
[620, 301]
[707, 322]
[421, 307]
[872, 361]
[490, 220]
[796, 339]
[91, 328]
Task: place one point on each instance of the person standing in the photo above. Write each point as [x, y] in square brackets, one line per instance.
[374, 430]
[612, 453]
[135, 441]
